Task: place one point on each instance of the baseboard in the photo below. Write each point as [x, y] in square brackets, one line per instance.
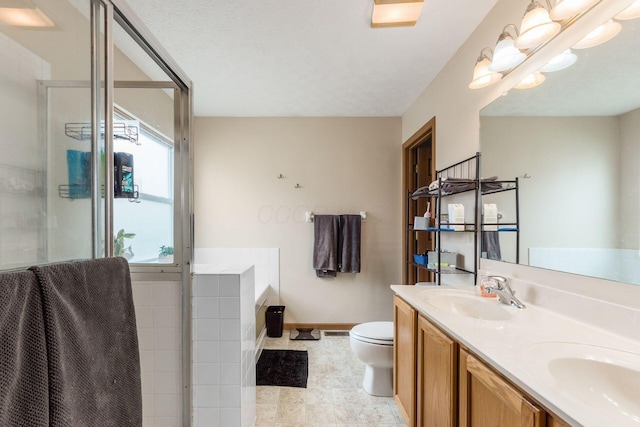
[321, 326]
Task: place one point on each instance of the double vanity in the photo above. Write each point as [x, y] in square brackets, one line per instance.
[463, 359]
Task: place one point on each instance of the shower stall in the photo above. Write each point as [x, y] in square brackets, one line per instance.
[95, 134]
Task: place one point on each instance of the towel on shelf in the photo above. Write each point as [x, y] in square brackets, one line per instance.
[455, 185]
[24, 386]
[349, 243]
[325, 245]
[92, 344]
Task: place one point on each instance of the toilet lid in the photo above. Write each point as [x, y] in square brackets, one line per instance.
[381, 332]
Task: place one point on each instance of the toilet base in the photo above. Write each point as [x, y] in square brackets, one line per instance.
[378, 381]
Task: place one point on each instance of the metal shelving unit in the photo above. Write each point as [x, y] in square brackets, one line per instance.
[507, 227]
[467, 170]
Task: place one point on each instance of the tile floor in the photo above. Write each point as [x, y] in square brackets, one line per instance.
[334, 396]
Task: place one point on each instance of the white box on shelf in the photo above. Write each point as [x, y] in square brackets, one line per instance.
[456, 216]
[490, 217]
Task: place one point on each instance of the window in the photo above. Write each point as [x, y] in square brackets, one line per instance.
[143, 221]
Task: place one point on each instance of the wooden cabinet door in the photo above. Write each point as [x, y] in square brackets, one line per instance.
[436, 378]
[487, 400]
[404, 359]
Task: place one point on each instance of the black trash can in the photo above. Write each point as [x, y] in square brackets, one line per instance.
[275, 320]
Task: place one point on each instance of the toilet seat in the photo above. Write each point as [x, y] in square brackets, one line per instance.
[380, 333]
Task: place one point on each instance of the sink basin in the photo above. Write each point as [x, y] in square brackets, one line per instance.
[605, 379]
[466, 303]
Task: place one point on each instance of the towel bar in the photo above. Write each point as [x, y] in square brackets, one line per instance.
[309, 216]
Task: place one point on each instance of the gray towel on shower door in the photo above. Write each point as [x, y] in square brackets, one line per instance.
[325, 245]
[349, 243]
[92, 343]
[24, 385]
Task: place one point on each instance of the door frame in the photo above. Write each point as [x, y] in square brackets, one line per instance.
[409, 149]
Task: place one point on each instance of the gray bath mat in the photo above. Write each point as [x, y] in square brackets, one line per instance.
[304, 334]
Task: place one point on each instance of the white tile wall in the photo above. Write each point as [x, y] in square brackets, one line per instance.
[224, 347]
[158, 317]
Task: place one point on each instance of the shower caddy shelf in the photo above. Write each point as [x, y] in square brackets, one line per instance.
[82, 132]
[121, 130]
[68, 192]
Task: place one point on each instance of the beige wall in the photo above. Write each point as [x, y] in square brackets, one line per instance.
[569, 160]
[344, 165]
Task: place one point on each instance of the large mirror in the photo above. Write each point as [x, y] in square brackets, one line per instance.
[573, 143]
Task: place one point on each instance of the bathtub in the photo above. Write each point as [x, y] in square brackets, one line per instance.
[262, 302]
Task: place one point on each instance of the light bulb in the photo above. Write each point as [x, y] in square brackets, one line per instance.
[560, 62]
[565, 9]
[603, 33]
[536, 27]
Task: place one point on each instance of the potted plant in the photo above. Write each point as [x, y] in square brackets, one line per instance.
[118, 244]
[165, 254]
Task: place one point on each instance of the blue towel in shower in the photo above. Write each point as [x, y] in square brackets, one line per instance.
[79, 174]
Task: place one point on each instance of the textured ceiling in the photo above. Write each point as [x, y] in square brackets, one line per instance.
[306, 57]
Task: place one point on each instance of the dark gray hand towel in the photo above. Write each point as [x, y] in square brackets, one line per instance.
[92, 344]
[325, 245]
[349, 244]
[491, 245]
[24, 386]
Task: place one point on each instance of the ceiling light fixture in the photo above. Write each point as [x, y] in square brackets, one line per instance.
[560, 62]
[536, 28]
[532, 80]
[23, 13]
[505, 54]
[631, 12]
[603, 33]
[565, 9]
[482, 77]
[395, 13]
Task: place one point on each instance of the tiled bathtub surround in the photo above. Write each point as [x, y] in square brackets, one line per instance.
[223, 314]
[334, 396]
[266, 262]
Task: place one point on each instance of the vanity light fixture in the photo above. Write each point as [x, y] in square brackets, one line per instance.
[482, 77]
[565, 9]
[505, 54]
[395, 13]
[603, 33]
[560, 62]
[631, 12]
[536, 28]
[532, 80]
[23, 13]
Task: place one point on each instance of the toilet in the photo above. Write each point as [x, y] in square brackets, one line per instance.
[372, 343]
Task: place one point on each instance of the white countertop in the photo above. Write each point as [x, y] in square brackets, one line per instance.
[512, 347]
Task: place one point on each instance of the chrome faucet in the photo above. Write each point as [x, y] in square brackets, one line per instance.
[503, 290]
